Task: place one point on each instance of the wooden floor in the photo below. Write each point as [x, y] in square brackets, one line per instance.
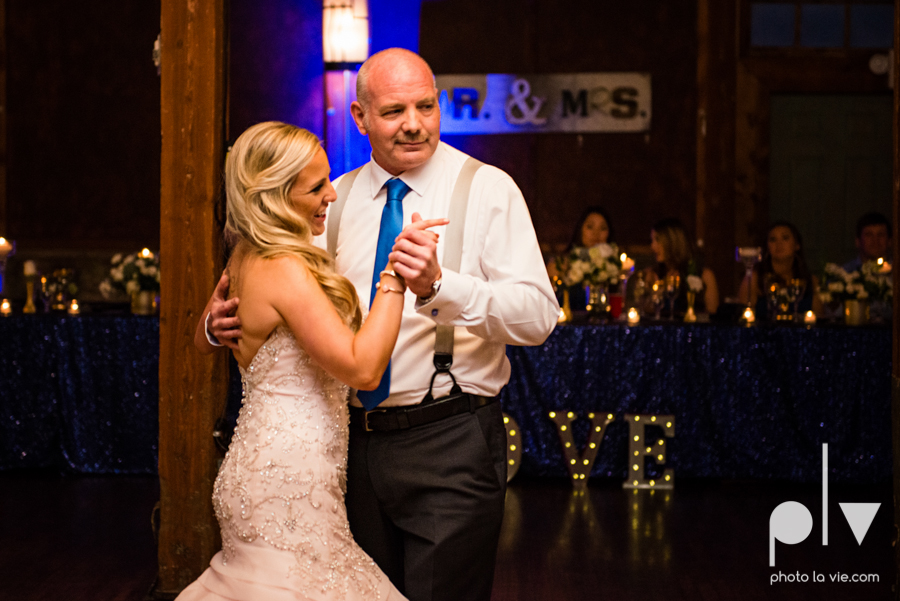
[72, 538]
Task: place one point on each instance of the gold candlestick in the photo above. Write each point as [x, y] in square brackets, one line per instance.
[29, 297]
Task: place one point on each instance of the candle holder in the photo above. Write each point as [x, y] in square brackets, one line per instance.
[634, 318]
[5, 308]
[749, 256]
[7, 249]
[748, 318]
[690, 316]
[30, 273]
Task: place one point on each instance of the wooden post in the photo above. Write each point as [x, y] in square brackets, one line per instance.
[716, 63]
[4, 224]
[192, 387]
[895, 369]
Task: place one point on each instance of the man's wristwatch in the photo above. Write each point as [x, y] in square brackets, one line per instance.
[435, 287]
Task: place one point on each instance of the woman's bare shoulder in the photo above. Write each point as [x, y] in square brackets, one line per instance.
[280, 271]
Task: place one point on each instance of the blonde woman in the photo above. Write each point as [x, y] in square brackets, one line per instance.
[675, 255]
[279, 495]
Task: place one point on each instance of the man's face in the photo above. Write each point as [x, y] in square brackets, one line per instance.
[402, 118]
[873, 242]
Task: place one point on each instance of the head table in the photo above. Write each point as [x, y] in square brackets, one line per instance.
[81, 394]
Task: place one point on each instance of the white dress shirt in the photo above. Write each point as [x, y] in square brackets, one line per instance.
[500, 296]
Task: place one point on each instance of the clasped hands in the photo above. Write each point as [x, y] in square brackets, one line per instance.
[413, 257]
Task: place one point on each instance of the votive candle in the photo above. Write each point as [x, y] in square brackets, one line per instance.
[5, 308]
[634, 317]
[74, 309]
[5, 247]
[809, 318]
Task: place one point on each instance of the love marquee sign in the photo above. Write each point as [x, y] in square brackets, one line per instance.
[641, 448]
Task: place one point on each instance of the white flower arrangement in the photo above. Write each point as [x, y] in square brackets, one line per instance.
[132, 273]
[695, 283]
[592, 266]
[872, 281]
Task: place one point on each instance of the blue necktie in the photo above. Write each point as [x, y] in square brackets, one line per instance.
[391, 225]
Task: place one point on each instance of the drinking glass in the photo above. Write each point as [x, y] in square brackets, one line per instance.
[657, 297]
[673, 283]
[797, 288]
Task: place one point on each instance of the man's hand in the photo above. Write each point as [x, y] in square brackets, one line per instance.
[223, 324]
[414, 255]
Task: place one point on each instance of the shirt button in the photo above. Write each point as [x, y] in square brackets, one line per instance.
[434, 312]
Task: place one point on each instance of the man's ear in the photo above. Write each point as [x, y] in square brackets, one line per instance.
[358, 113]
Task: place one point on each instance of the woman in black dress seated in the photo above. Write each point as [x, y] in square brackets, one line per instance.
[591, 229]
[676, 261]
[782, 263]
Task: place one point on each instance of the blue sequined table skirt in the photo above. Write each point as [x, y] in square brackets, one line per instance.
[81, 394]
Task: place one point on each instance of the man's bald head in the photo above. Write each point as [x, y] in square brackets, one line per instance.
[383, 63]
[397, 108]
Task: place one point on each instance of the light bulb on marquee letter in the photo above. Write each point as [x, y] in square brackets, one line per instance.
[639, 447]
[578, 463]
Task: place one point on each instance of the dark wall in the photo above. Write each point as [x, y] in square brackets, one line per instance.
[275, 64]
[639, 178]
[83, 125]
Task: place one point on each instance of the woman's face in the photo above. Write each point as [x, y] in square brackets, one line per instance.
[782, 244]
[657, 248]
[312, 191]
[594, 230]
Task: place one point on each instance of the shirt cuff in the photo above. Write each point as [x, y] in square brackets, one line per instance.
[450, 300]
[209, 337]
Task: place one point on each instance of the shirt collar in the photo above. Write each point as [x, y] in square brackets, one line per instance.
[417, 179]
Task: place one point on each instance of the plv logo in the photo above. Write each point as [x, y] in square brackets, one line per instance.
[791, 522]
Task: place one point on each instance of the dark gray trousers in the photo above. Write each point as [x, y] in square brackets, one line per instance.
[427, 503]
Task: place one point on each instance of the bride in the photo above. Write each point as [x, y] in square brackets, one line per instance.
[279, 495]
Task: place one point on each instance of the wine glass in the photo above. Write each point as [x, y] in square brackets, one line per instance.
[673, 283]
[47, 292]
[657, 292]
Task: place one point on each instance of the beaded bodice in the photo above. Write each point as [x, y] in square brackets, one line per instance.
[280, 491]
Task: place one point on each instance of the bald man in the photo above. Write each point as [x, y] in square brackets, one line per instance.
[427, 467]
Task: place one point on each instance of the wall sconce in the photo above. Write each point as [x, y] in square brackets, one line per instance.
[345, 44]
[345, 31]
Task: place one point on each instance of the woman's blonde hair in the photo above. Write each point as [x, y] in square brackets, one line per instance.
[677, 248]
[260, 218]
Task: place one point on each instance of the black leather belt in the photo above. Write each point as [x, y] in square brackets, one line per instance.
[402, 418]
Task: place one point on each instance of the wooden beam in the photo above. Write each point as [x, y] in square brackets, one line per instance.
[4, 223]
[192, 388]
[895, 369]
[716, 61]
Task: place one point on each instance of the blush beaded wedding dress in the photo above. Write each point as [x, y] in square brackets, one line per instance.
[279, 495]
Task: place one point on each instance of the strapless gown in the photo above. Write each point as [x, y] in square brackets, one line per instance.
[279, 495]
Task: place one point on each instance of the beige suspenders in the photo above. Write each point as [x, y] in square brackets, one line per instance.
[453, 243]
[337, 208]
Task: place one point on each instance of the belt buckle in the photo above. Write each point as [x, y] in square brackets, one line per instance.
[366, 418]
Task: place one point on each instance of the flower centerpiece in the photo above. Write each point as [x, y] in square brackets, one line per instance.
[597, 265]
[137, 275]
[871, 283]
[596, 268]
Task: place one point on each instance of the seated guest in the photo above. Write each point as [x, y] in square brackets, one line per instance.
[873, 240]
[591, 229]
[675, 255]
[782, 262]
